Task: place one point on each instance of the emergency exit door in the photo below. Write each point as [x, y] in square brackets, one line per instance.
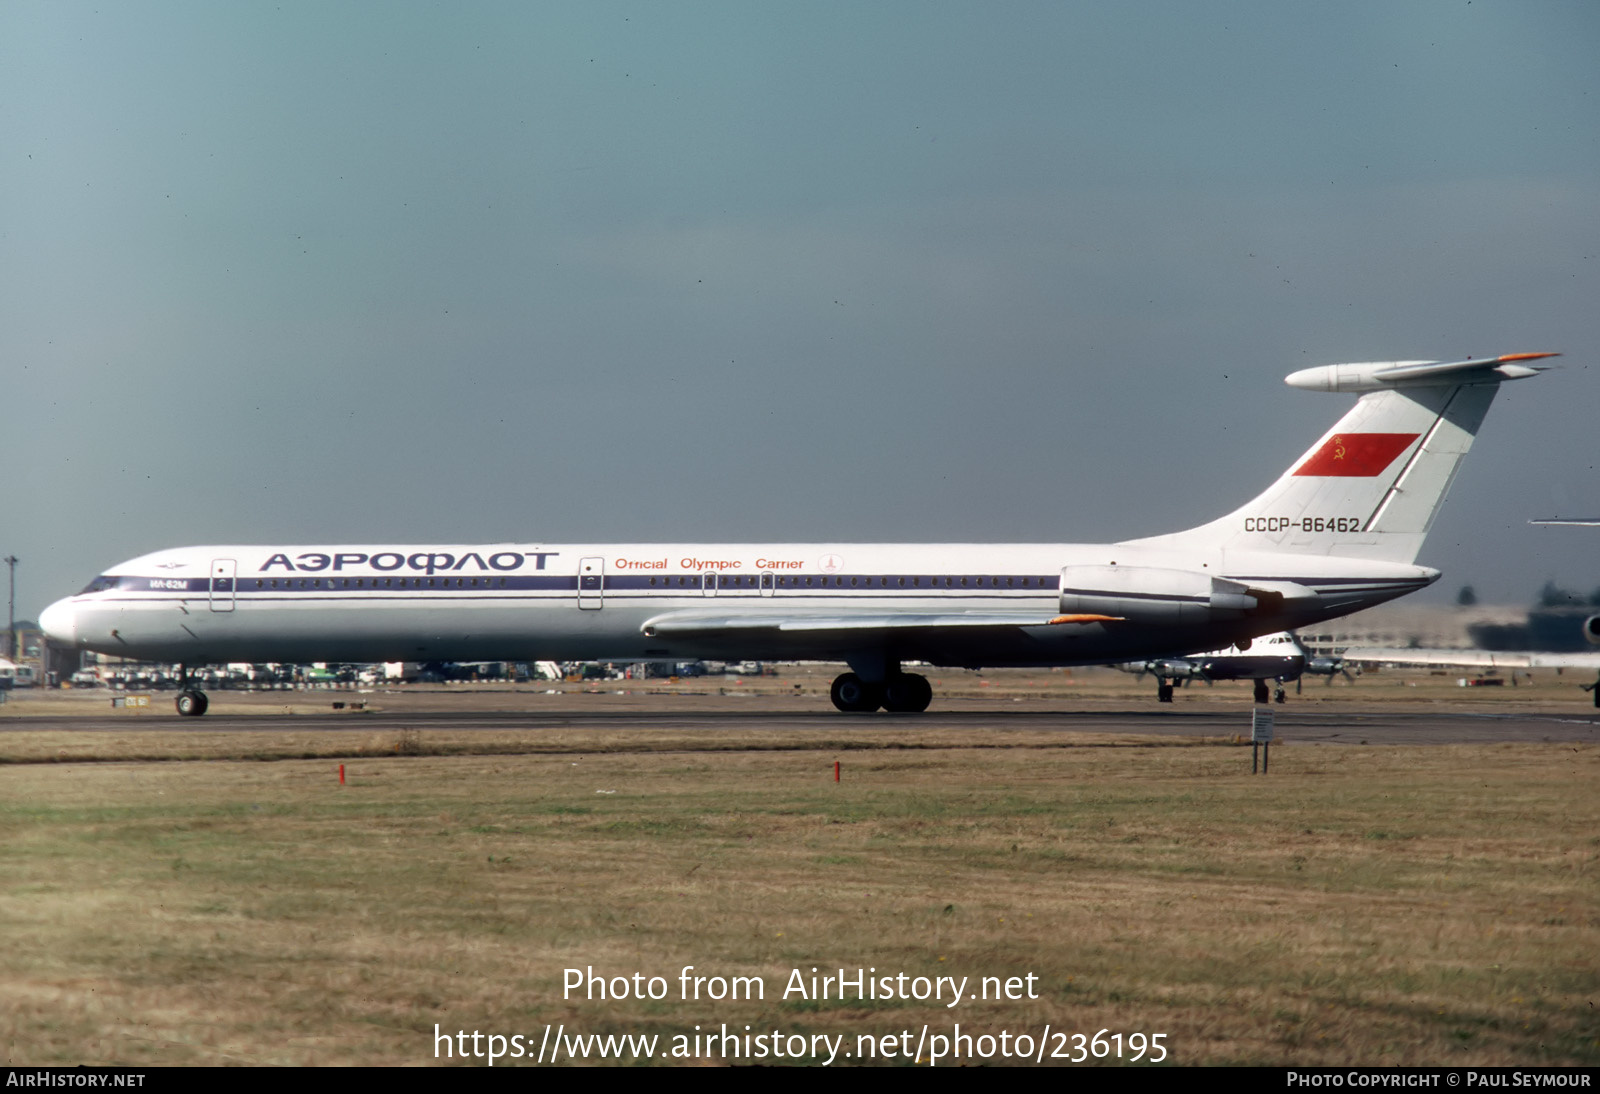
[591, 583]
[223, 572]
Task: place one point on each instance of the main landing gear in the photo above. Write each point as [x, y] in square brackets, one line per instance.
[899, 692]
[192, 702]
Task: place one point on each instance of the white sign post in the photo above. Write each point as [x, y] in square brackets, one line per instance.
[1260, 737]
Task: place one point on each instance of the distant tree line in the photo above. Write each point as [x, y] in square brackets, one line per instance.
[1554, 596]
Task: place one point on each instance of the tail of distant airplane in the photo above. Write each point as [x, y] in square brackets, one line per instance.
[1372, 485]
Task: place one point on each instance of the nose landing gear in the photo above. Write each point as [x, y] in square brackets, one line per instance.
[1278, 693]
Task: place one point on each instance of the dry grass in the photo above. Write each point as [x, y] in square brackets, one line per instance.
[1360, 905]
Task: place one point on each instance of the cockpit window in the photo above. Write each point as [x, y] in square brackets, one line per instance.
[99, 585]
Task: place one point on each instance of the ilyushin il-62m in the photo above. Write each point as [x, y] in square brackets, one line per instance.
[1339, 531]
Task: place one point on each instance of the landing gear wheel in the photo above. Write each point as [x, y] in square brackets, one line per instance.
[907, 693]
[192, 704]
[1261, 691]
[1163, 692]
[1280, 695]
[853, 694]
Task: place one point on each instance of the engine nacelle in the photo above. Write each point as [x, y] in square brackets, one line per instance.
[1591, 630]
[1151, 594]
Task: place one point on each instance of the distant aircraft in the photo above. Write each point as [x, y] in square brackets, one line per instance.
[1278, 657]
[1480, 659]
[1471, 659]
[1337, 532]
[1489, 659]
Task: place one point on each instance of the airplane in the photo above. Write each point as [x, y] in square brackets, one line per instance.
[1489, 659]
[1481, 659]
[1337, 532]
[1471, 659]
[1278, 657]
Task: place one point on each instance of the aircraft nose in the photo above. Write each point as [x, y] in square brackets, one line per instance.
[60, 622]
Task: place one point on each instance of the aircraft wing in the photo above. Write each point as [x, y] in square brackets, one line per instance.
[1473, 659]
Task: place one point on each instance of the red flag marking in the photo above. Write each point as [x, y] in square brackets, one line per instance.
[1356, 455]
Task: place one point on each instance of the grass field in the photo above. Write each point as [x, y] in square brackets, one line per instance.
[1375, 905]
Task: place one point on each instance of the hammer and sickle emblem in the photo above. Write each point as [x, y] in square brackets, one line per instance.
[1338, 448]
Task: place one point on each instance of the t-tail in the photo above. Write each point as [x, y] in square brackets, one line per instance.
[1372, 485]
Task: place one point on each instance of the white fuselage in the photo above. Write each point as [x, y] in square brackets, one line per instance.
[957, 604]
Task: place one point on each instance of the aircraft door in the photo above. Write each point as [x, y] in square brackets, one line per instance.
[708, 582]
[223, 572]
[767, 583]
[591, 583]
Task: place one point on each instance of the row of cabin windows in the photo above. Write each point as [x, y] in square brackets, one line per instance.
[796, 581]
[734, 581]
[380, 583]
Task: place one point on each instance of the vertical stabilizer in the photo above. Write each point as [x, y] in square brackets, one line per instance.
[1372, 485]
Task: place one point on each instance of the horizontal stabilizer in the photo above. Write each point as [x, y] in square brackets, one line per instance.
[1380, 375]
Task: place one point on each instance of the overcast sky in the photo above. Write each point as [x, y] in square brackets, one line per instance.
[407, 272]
